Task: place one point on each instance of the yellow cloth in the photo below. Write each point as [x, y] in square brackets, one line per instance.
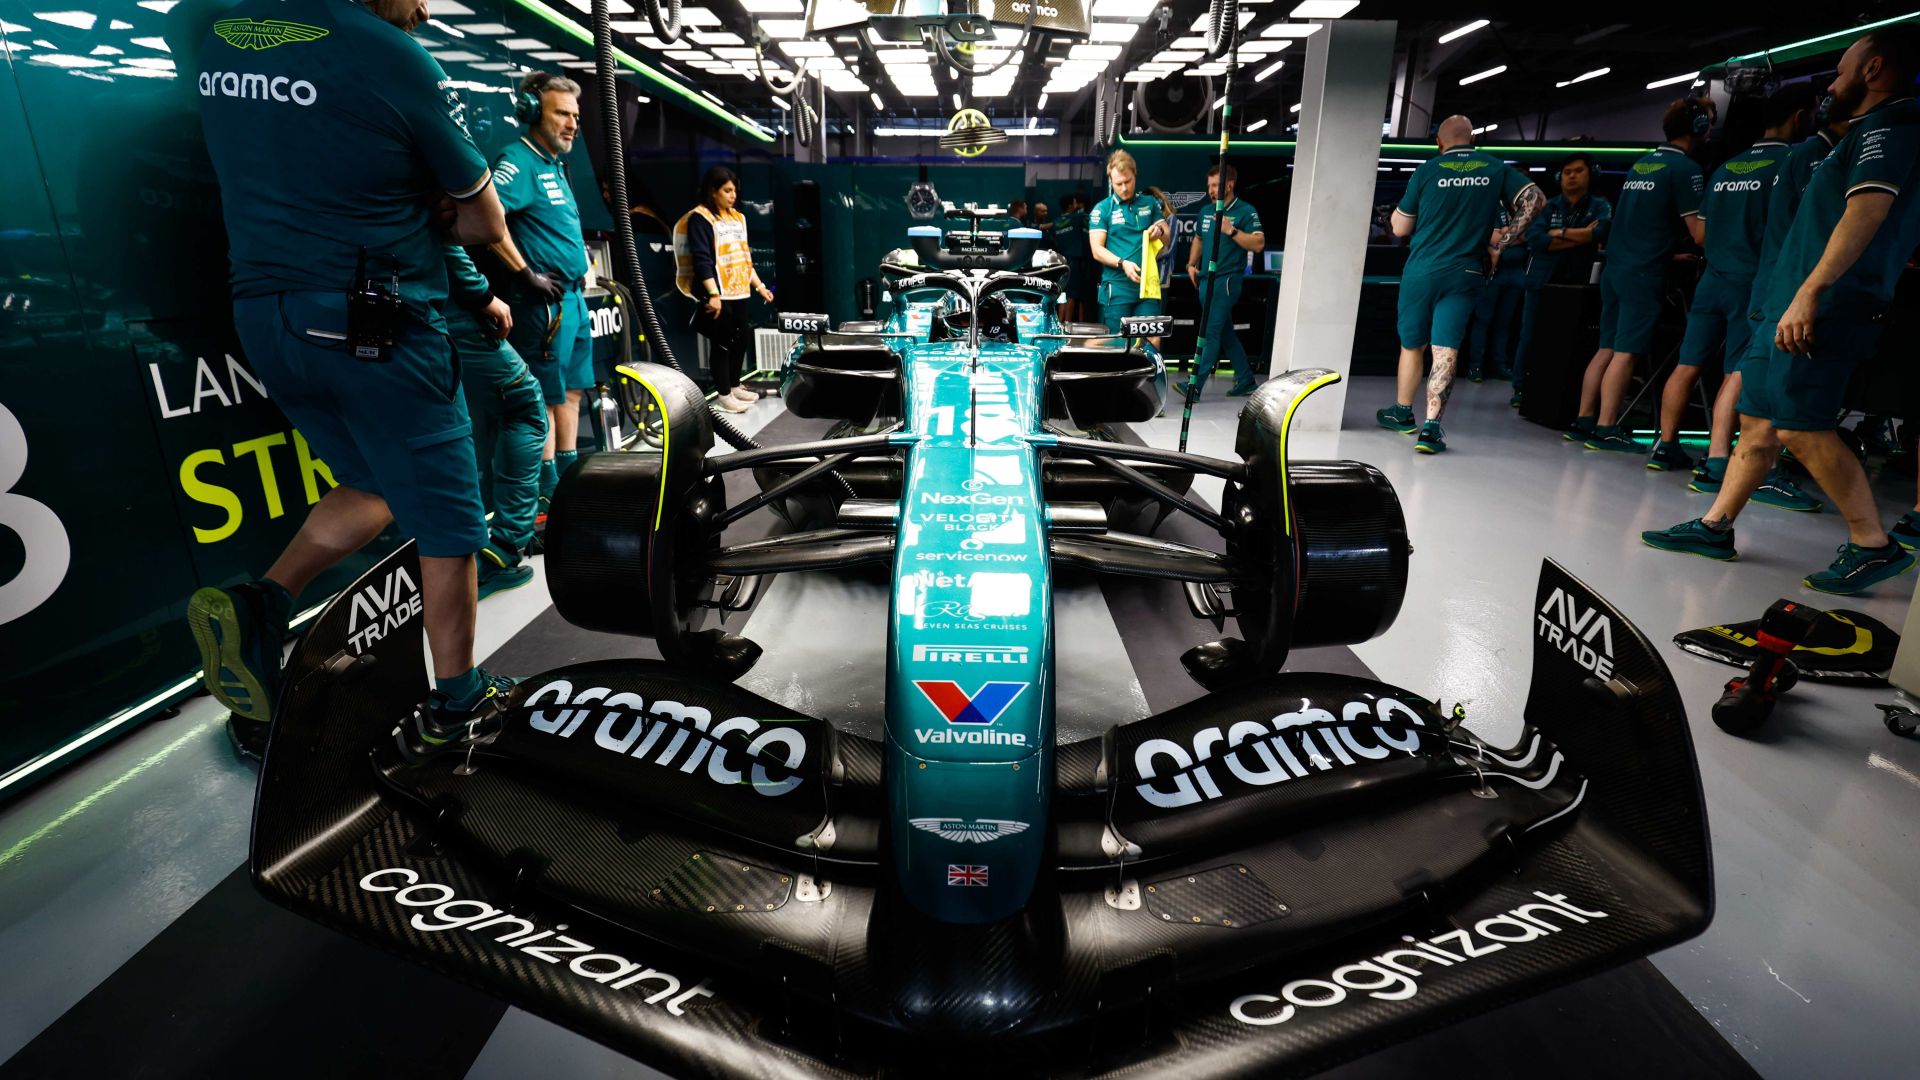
[1150, 270]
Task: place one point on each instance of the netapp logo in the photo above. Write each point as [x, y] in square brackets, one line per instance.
[971, 654]
[1391, 975]
[384, 607]
[256, 87]
[1271, 753]
[1737, 185]
[645, 727]
[449, 912]
[1463, 181]
[1565, 627]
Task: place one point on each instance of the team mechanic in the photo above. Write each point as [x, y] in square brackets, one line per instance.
[1451, 209]
[1857, 223]
[1117, 233]
[331, 194]
[547, 254]
[509, 421]
[1734, 214]
[1659, 202]
[1240, 224]
[1562, 244]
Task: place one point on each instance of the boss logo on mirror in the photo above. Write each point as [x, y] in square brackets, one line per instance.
[803, 324]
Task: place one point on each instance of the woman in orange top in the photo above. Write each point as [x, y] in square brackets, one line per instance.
[714, 268]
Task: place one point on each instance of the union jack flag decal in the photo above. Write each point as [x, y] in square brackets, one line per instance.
[966, 875]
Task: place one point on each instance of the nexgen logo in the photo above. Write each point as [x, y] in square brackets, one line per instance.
[982, 707]
[1585, 636]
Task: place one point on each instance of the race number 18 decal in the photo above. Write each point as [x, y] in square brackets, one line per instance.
[37, 526]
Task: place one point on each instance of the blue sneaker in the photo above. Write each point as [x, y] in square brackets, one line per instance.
[1580, 430]
[239, 632]
[1858, 569]
[499, 579]
[1614, 440]
[1397, 418]
[1778, 490]
[1906, 531]
[1182, 388]
[1240, 391]
[1432, 439]
[1668, 457]
[1708, 475]
[1693, 538]
[446, 721]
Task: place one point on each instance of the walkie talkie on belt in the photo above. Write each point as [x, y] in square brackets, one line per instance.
[375, 315]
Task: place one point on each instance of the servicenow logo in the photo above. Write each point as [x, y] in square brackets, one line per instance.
[254, 86]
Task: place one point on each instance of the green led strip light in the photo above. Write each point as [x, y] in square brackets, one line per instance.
[1412, 148]
[1814, 46]
[580, 33]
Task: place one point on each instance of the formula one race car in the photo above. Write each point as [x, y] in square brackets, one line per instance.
[1290, 870]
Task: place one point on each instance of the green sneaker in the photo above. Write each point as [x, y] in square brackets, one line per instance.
[1858, 569]
[1476, 376]
[1432, 439]
[239, 632]
[1906, 531]
[1613, 440]
[1579, 430]
[1693, 538]
[1668, 457]
[498, 579]
[1514, 401]
[446, 721]
[1778, 490]
[1397, 418]
[1708, 475]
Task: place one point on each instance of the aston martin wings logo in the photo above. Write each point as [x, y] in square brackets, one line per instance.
[259, 34]
[1646, 168]
[960, 830]
[1471, 165]
[1742, 168]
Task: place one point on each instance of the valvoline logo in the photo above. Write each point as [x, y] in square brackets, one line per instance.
[983, 706]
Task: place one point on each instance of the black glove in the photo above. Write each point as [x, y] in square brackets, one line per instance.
[541, 285]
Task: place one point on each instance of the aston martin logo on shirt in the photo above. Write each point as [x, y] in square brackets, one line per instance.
[259, 34]
[1648, 168]
[960, 830]
[1742, 168]
[1471, 165]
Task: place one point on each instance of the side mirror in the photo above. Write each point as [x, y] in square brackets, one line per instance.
[804, 323]
[1145, 326]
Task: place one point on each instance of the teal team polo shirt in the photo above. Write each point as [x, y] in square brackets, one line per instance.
[1662, 188]
[1735, 209]
[537, 195]
[1455, 201]
[331, 130]
[1543, 266]
[1880, 154]
[1070, 235]
[1126, 224]
[1783, 201]
[1232, 257]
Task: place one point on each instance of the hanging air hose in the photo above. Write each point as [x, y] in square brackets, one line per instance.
[931, 37]
[629, 254]
[1223, 34]
[804, 115]
[668, 31]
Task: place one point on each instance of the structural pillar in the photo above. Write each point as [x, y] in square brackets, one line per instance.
[1343, 104]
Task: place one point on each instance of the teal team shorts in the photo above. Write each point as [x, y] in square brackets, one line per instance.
[397, 429]
[1804, 393]
[1629, 308]
[1718, 326]
[1121, 301]
[556, 341]
[1437, 309]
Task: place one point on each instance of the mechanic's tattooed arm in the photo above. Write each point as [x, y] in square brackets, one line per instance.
[1440, 383]
[1526, 206]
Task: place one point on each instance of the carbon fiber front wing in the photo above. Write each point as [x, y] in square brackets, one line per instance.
[1226, 899]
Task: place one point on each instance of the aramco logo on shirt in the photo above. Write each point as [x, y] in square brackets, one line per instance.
[257, 34]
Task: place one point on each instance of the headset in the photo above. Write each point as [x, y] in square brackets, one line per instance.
[1823, 112]
[1700, 113]
[527, 99]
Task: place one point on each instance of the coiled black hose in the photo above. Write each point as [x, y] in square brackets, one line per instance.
[629, 254]
[668, 31]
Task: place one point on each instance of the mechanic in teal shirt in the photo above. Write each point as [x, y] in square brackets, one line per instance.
[1217, 269]
[339, 144]
[509, 420]
[1491, 335]
[1734, 212]
[1659, 205]
[1117, 233]
[1452, 210]
[1562, 246]
[547, 252]
[1857, 224]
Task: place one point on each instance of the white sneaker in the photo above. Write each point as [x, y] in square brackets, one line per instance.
[729, 403]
